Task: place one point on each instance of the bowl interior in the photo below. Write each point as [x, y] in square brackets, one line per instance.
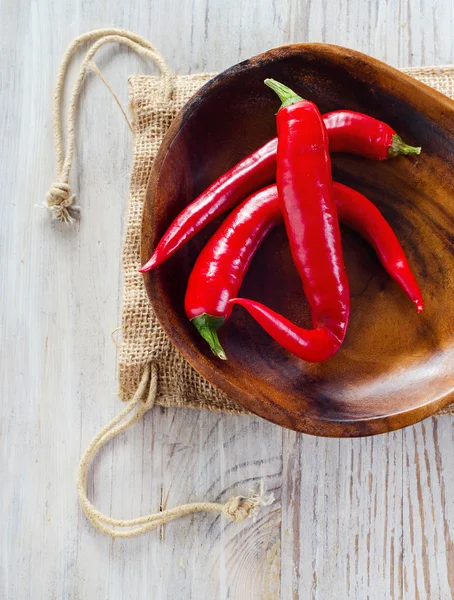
[395, 366]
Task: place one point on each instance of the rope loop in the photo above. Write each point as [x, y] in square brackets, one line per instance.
[59, 199]
[236, 508]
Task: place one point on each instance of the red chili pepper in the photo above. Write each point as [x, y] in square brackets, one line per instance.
[356, 211]
[348, 132]
[305, 190]
[221, 266]
[364, 135]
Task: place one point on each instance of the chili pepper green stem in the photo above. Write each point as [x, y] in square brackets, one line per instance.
[286, 95]
[207, 326]
[398, 146]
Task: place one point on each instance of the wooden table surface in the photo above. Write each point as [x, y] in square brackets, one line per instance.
[365, 518]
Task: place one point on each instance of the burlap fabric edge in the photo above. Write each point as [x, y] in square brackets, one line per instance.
[143, 340]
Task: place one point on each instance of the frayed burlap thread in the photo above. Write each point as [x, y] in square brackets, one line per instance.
[144, 340]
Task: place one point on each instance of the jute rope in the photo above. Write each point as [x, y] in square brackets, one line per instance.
[59, 199]
[236, 509]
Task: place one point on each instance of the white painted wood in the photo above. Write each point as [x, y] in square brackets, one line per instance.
[361, 519]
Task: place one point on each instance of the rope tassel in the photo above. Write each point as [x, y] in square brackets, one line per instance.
[236, 508]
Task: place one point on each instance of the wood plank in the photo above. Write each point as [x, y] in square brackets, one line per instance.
[341, 522]
[428, 516]
[359, 514]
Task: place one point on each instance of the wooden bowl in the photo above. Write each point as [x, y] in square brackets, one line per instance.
[395, 367]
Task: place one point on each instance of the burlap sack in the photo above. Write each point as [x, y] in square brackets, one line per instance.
[144, 341]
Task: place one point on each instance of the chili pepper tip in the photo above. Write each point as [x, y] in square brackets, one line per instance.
[151, 264]
[286, 95]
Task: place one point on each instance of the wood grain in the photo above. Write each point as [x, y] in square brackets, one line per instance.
[348, 510]
[60, 299]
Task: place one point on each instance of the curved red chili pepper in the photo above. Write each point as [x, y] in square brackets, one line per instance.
[224, 261]
[364, 135]
[359, 213]
[221, 266]
[312, 345]
[356, 211]
[305, 190]
[348, 132]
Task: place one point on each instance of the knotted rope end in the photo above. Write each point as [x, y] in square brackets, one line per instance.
[239, 508]
[60, 202]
